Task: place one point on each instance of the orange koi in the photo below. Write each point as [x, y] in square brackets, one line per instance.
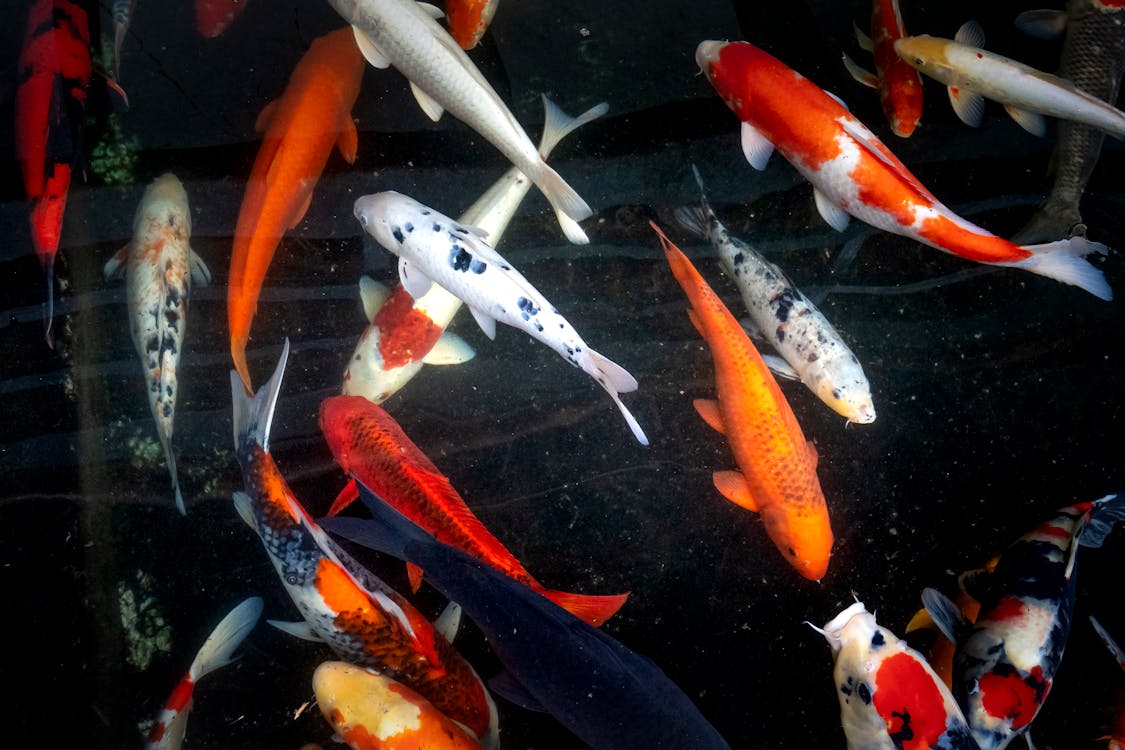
[777, 466]
[312, 115]
[898, 83]
[369, 444]
[469, 19]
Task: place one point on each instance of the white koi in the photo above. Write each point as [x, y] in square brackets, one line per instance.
[159, 268]
[432, 248]
[405, 34]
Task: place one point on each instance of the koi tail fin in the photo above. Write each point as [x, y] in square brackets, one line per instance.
[238, 356]
[558, 124]
[594, 610]
[1065, 261]
[567, 203]
[49, 311]
[170, 459]
[387, 530]
[253, 416]
[616, 379]
[1106, 513]
[226, 638]
[696, 219]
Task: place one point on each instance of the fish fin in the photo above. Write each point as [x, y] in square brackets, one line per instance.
[450, 349]
[299, 629]
[170, 459]
[1043, 23]
[428, 104]
[1106, 513]
[513, 691]
[262, 123]
[755, 146]
[1111, 644]
[347, 142]
[449, 621]
[299, 215]
[373, 295]
[348, 495]
[1027, 739]
[567, 204]
[1064, 261]
[386, 531]
[615, 379]
[593, 610]
[969, 106]
[49, 313]
[253, 416]
[486, 322]
[975, 583]
[413, 573]
[413, 280]
[779, 367]
[1032, 122]
[227, 636]
[836, 217]
[970, 34]
[946, 615]
[114, 268]
[814, 454]
[732, 485]
[920, 621]
[242, 507]
[200, 273]
[862, 38]
[708, 408]
[866, 77]
[432, 11]
[370, 51]
[837, 99]
[753, 330]
[692, 219]
[695, 321]
[557, 124]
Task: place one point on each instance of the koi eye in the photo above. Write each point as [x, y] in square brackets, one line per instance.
[919, 61]
[363, 220]
[291, 579]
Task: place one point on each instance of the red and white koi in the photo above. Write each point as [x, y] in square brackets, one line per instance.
[406, 333]
[405, 34]
[972, 75]
[890, 698]
[171, 725]
[433, 248]
[342, 604]
[811, 350]
[469, 19]
[1005, 663]
[160, 267]
[898, 84]
[854, 174]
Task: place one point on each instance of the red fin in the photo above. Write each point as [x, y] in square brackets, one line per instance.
[694, 318]
[348, 140]
[594, 610]
[264, 117]
[413, 572]
[347, 496]
[732, 485]
[709, 410]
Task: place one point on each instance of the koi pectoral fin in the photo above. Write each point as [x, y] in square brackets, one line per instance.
[347, 496]
[732, 485]
[709, 410]
[413, 572]
[348, 140]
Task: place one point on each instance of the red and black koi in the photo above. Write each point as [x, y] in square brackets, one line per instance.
[1005, 663]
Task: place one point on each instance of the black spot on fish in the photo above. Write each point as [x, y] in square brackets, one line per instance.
[171, 317]
[398, 235]
[813, 357]
[739, 259]
[505, 267]
[152, 343]
[821, 339]
[462, 231]
[905, 732]
[780, 333]
[155, 387]
[478, 266]
[837, 394]
[538, 326]
[426, 212]
[846, 688]
[168, 390]
[791, 552]
[864, 693]
[174, 296]
[527, 308]
[459, 258]
[409, 227]
[437, 227]
[168, 346]
[167, 411]
[171, 221]
[783, 304]
[877, 640]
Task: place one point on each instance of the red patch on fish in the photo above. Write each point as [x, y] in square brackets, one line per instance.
[181, 696]
[1009, 608]
[405, 334]
[908, 699]
[1011, 696]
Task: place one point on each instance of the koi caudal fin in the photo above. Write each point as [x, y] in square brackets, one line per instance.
[1065, 261]
[228, 635]
[253, 416]
[594, 610]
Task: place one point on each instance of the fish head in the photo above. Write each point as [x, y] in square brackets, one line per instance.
[850, 399]
[927, 54]
[383, 216]
[804, 538]
[731, 69]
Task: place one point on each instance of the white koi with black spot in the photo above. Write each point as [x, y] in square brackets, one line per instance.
[159, 268]
[433, 248]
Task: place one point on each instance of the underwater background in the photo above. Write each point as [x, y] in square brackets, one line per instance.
[998, 394]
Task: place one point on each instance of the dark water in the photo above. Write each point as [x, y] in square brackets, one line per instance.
[999, 397]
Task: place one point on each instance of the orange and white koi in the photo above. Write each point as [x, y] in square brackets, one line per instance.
[890, 698]
[406, 333]
[342, 604]
[777, 466]
[312, 116]
[54, 73]
[898, 84]
[854, 174]
[171, 725]
[469, 19]
[159, 268]
[370, 711]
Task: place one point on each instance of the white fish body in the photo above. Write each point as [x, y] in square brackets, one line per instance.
[973, 74]
[159, 268]
[404, 34]
[785, 317]
[432, 248]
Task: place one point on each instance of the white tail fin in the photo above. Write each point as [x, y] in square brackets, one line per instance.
[253, 417]
[558, 124]
[1065, 261]
[616, 379]
[568, 204]
[228, 635]
[170, 458]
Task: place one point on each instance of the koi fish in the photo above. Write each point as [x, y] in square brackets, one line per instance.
[608, 696]
[777, 466]
[371, 446]
[898, 84]
[811, 349]
[973, 75]
[312, 116]
[890, 698]
[1005, 663]
[361, 618]
[854, 174]
[370, 711]
[406, 333]
[54, 73]
[403, 33]
[1117, 739]
[469, 19]
[432, 248]
[212, 17]
[1093, 59]
[171, 725]
[159, 268]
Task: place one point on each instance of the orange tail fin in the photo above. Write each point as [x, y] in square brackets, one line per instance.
[594, 610]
